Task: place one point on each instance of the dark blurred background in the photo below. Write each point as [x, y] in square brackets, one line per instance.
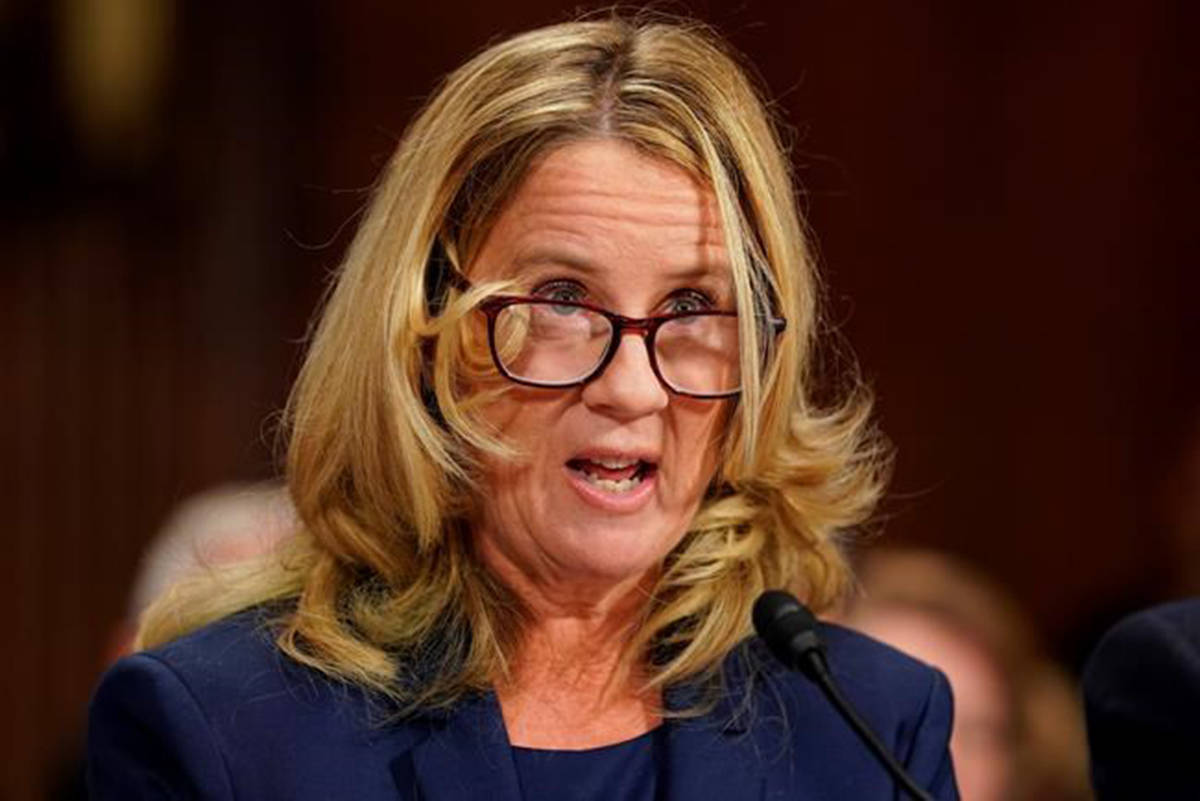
[1003, 195]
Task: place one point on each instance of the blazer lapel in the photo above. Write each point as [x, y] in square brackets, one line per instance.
[714, 756]
[465, 756]
[724, 754]
[704, 762]
[741, 749]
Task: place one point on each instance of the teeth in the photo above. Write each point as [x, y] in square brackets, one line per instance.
[615, 464]
[624, 485]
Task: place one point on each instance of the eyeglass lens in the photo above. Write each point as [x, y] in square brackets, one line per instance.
[554, 344]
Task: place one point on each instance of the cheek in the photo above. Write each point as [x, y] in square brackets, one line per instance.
[525, 420]
[502, 416]
[699, 434]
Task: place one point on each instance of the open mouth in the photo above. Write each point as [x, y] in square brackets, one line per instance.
[613, 475]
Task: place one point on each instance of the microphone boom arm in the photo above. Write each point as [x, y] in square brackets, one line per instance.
[790, 632]
[819, 673]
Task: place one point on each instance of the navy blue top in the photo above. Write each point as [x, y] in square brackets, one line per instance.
[222, 715]
[628, 771]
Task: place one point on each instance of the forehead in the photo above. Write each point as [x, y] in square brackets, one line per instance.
[602, 204]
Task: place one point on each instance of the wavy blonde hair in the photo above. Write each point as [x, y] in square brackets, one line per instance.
[383, 587]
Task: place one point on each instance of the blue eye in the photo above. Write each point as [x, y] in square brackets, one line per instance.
[688, 301]
[564, 290]
[560, 289]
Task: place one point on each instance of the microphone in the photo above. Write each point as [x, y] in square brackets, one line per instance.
[790, 631]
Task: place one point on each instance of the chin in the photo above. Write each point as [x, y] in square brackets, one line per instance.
[619, 550]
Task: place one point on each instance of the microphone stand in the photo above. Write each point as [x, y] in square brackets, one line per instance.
[818, 671]
[790, 632]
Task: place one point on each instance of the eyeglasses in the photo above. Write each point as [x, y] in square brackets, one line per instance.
[552, 343]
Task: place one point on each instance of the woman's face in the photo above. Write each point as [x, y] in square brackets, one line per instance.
[612, 472]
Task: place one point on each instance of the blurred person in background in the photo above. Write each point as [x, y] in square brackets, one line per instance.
[1141, 688]
[1018, 732]
[212, 530]
[1141, 685]
[206, 533]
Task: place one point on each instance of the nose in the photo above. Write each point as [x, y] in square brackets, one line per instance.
[628, 388]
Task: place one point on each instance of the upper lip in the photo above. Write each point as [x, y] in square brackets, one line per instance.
[599, 454]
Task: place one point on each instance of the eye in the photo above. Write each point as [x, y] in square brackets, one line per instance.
[562, 289]
[688, 301]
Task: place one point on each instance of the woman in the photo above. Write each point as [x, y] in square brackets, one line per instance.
[551, 439]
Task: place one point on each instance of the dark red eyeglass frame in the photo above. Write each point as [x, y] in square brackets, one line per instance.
[646, 327]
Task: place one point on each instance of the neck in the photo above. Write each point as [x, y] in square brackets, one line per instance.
[571, 685]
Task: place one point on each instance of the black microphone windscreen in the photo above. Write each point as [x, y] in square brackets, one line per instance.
[787, 626]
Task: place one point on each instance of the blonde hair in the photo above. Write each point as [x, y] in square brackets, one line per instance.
[387, 591]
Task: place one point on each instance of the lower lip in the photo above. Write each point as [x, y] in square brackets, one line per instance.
[615, 502]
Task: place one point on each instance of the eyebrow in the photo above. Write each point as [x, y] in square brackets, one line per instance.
[539, 257]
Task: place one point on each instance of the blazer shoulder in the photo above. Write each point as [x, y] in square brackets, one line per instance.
[152, 728]
[223, 707]
[907, 703]
[872, 674]
[867, 666]
[232, 658]
[245, 683]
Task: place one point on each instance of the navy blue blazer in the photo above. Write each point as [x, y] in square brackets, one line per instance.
[222, 714]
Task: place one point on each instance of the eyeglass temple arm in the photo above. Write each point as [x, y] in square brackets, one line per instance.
[441, 276]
